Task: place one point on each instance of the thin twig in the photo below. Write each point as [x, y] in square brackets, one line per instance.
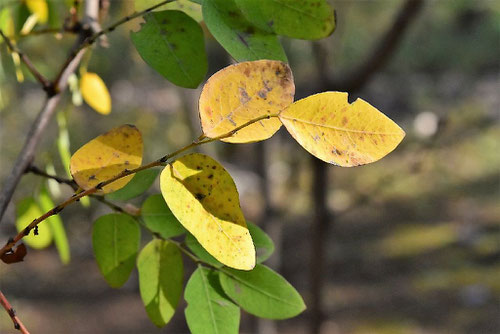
[12, 313]
[27, 62]
[77, 195]
[37, 171]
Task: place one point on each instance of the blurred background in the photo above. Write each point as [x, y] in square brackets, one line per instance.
[409, 244]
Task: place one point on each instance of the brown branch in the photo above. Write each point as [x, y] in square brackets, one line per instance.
[27, 153]
[27, 62]
[76, 196]
[12, 313]
[382, 53]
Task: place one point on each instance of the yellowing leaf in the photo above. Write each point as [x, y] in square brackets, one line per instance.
[242, 92]
[95, 93]
[203, 197]
[39, 8]
[27, 211]
[107, 156]
[340, 133]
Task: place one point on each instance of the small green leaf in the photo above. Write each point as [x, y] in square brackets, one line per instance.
[200, 252]
[209, 310]
[27, 211]
[240, 38]
[303, 19]
[262, 292]
[56, 226]
[264, 246]
[138, 185]
[160, 279]
[172, 43]
[115, 239]
[158, 217]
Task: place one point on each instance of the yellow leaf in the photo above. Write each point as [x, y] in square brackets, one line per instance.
[27, 211]
[39, 8]
[203, 197]
[242, 92]
[340, 133]
[95, 93]
[107, 156]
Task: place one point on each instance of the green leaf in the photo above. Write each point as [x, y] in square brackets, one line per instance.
[200, 252]
[172, 43]
[138, 185]
[264, 246]
[262, 292]
[209, 310]
[158, 217]
[115, 239]
[304, 19]
[27, 211]
[160, 279]
[240, 38]
[56, 225]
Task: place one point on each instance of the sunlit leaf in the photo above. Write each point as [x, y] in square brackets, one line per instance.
[107, 156]
[56, 226]
[39, 8]
[200, 252]
[27, 211]
[190, 8]
[240, 38]
[242, 92]
[209, 310]
[203, 196]
[304, 19]
[262, 292]
[340, 133]
[264, 246]
[115, 240]
[6, 23]
[137, 186]
[159, 219]
[172, 43]
[95, 93]
[160, 279]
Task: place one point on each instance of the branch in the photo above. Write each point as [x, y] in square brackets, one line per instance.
[381, 54]
[27, 153]
[159, 162]
[24, 58]
[37, 171]
[12, 313]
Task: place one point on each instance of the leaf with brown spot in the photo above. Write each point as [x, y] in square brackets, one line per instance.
[340, 133]
[200, 203]
[107, 156]
[242, 92]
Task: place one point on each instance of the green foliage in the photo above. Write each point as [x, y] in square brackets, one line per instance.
[264, 246]
[160, 279]
[115, 239]
[262, 292]
[159, 219]
[172, 43]
[240, 38]
[304, 19]
[209, 310]
[138, 185]
[56, 226]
